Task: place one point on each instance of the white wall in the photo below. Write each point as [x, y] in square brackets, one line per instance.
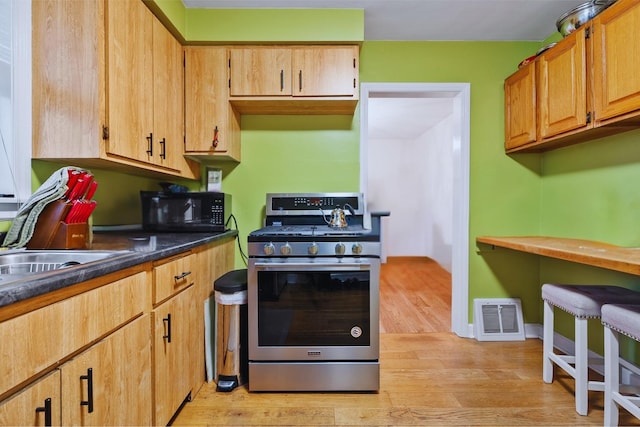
[413, 178]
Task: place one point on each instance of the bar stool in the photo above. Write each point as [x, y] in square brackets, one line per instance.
[618, 319]
[584, 302]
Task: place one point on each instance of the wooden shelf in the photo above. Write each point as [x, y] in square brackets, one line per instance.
[589, 252]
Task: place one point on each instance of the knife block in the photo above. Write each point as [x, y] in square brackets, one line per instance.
[51, 232]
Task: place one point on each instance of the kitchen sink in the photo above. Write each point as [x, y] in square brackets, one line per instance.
[28, 262]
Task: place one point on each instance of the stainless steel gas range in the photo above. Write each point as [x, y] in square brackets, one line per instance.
[313, 295]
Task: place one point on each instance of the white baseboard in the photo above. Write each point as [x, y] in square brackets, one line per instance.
[531, 330]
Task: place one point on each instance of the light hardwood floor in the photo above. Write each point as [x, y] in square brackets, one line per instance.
[429, 376]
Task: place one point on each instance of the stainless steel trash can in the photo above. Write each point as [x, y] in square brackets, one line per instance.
[231, 344]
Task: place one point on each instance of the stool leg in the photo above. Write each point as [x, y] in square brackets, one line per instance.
[611, 376]
[547, 343]
[582, 367]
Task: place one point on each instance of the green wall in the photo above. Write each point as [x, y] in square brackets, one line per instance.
[291, 154]
[588, 192]
[504, 193]
[576, 191]
[274, 25]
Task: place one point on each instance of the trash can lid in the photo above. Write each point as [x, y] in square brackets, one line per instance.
[233, 281]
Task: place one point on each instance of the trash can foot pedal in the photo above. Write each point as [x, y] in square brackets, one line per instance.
[227, 383]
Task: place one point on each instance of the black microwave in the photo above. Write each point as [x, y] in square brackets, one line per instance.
[187, 211]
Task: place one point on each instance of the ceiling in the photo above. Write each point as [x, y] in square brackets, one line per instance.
[532, 20]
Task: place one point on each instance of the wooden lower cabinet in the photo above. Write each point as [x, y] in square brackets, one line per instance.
[37, 405]
[132, 345]
[101, 386]
[105, 384]
[173, 322]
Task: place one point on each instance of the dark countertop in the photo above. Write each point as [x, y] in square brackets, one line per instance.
[166, 245]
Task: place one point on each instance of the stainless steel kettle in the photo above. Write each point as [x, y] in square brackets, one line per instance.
[338, 218]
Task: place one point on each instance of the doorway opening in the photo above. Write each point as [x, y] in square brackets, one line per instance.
[455, 96]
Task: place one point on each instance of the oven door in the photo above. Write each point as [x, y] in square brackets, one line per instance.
[310, 309]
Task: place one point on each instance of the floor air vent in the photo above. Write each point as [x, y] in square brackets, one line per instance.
[498, 319]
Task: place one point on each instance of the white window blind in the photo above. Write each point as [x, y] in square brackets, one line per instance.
[15, 105]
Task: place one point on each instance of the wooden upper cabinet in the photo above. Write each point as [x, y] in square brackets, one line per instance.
[294, 79]
[562, 86]
[520, 107]
[308, 71]
[587, 85]
[325, 71]
[263, 71]
[616, 51]
[212, 125]
[95, 93]
[130, 81]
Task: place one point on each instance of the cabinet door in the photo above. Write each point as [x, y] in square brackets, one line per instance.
[562, 86]
[616, 52]
[173, 322]
[37, 405]
[68, 95]
[106, 384]
[325, 71]
[520, 107]
[260, 71]
[212, 126]
[129, 79]
[168, 99]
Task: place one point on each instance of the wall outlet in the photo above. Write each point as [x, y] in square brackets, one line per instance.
[214, 180]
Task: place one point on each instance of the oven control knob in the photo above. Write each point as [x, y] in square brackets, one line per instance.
[269, 249]
[356, 248]
[285, 249]
[313, 249]
[340, 249]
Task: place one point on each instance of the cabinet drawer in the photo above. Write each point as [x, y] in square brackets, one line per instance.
[172, 276]
[58, 330]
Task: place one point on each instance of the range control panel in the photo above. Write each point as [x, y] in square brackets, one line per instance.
[312, 203]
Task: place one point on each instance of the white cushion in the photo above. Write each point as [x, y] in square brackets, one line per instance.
[586, 301]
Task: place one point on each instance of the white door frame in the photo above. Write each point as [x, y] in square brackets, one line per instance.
[461, 95]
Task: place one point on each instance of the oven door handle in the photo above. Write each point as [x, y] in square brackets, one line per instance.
[312, 266]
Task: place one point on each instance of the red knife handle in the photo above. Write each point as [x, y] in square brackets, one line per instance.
[92, 190]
